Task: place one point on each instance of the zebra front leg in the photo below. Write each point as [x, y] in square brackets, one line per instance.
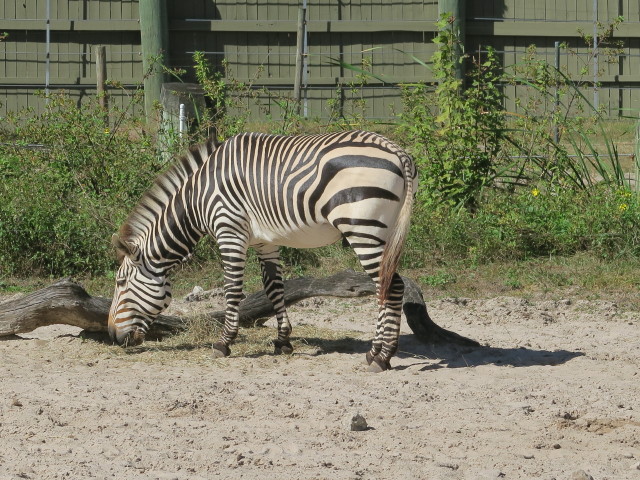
[274, 289]
[234, 255]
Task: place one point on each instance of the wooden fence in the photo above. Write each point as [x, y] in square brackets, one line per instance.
[50, 46]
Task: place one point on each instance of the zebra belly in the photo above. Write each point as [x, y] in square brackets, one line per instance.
[308, 236]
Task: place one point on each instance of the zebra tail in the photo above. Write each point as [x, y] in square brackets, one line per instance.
[393, 248]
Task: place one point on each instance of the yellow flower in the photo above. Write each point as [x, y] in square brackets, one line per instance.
[535, 192]
[107, 131]
[624, 193]
[623, 207]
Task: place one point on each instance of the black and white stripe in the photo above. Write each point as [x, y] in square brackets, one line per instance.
[266, 191]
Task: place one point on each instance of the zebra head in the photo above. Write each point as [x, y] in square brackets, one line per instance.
[140, 295]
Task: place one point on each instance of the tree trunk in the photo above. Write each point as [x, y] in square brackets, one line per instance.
[66, 302]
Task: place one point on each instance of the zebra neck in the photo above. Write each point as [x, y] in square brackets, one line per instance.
[173, 235]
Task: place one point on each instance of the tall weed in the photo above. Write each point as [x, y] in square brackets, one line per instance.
[559, 135]
[455, 133]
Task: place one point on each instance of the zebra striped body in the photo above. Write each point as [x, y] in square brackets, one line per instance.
[266, 191]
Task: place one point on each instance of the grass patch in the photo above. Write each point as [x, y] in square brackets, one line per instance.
[194, 345]
[583, 276]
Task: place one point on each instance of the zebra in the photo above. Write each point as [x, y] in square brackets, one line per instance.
[265, 191]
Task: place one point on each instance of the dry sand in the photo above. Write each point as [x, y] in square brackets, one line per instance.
[554, 393]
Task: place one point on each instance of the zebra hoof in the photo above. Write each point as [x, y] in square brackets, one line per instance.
[220, 350]
[379, 365]
[369, 358]
[281, 347]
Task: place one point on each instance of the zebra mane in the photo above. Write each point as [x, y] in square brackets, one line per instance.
[141, 219]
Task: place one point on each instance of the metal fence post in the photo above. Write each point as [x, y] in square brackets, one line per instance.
[47, 71]
[297, 85]
[636, 184]
[182, 121]
[556, 130]
[596, 93]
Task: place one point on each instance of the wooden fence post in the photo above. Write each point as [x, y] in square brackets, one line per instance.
[154, 35]
[457, 11]
[100, 52]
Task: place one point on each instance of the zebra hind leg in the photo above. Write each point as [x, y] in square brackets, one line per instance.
[369, 251]
[391, 327]
[274, 289]
[376, 344]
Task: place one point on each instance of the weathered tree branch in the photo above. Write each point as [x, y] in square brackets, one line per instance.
[66, 302]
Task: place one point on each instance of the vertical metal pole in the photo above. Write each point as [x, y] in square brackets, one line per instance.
[305, 65]
[556, 130]
[636, 183]
[297, 95]
[154, 36]
[182, 119]
[47, 71]
[596, 94]
[100, 52]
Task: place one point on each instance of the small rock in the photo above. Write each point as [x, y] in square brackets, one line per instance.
[292, 449]
[490, 475]
[635, 466]
[356, 423]
[581, 475]
[195, 295]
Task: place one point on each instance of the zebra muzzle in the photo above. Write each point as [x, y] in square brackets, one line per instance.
[130, 338]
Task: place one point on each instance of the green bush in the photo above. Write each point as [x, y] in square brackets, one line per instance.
[60, 202]
[539, 221]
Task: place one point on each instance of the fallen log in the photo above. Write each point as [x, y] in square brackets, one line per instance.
[66, 302]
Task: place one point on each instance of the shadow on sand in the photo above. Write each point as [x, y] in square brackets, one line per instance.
[429, 356]
[435, 356]
[451, 356]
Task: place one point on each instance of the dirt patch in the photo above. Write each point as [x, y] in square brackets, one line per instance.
[553, 393]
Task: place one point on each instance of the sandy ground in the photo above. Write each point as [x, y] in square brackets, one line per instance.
[554, 393]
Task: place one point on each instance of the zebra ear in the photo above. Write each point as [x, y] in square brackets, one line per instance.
[124, 248]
